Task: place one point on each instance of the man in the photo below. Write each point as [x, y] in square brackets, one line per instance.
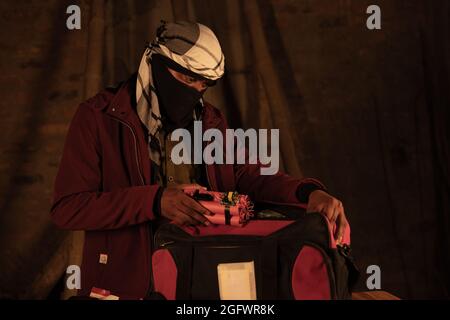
[116, 179]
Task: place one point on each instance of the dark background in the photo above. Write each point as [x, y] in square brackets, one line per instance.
[364, 111]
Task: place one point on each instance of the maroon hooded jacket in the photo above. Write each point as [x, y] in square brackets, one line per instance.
[103, 187]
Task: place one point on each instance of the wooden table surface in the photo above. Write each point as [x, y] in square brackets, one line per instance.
[373, 295]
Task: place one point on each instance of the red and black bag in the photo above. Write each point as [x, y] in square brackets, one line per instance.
[292, 259]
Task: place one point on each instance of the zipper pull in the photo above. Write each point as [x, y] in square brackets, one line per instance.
[162, 245]
[344, 250]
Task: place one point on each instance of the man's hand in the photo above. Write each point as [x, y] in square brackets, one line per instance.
[182, 209]
[320, 201]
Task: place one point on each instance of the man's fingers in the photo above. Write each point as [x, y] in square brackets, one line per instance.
[189, 186]
[315, 208]
[341, 226]
[336, 213]
[334, 210]
[199, 208]
[179, 218]
[189, 210]
[329, 211]
[185, 214]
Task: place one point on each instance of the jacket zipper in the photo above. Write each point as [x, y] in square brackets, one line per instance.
[136, 152]
[135, 149]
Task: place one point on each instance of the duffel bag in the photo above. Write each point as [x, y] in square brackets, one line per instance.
[267, 259]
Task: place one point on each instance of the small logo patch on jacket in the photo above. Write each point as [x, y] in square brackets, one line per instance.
[103, 258]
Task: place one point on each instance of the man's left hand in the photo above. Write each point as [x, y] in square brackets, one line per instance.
[332, 208]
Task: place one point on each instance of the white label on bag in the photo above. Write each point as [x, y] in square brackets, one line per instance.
[237, 281]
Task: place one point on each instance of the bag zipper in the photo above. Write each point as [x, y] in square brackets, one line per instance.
[170, 244]
[233, 243]
[183, 237]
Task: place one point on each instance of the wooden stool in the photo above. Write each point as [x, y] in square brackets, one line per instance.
[373, 295]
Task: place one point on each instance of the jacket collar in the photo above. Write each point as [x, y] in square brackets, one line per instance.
[124, 101]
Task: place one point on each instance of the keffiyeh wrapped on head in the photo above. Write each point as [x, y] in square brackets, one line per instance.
[187, 47]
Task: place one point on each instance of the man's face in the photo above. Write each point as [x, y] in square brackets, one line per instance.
[199, 85]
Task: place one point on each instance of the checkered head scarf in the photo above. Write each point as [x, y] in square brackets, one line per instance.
[189, 46]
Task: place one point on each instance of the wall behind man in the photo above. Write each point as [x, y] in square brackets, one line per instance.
[364, 111]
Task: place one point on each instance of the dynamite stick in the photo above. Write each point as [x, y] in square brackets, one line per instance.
[229, 208]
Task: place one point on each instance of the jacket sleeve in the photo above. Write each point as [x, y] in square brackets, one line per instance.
[278, 188]
[78, 202]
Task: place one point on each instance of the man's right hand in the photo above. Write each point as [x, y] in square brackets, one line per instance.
[181, 208]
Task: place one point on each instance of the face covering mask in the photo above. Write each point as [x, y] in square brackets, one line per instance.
[176, 100]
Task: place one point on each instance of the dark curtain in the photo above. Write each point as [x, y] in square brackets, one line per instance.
[364, 111]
